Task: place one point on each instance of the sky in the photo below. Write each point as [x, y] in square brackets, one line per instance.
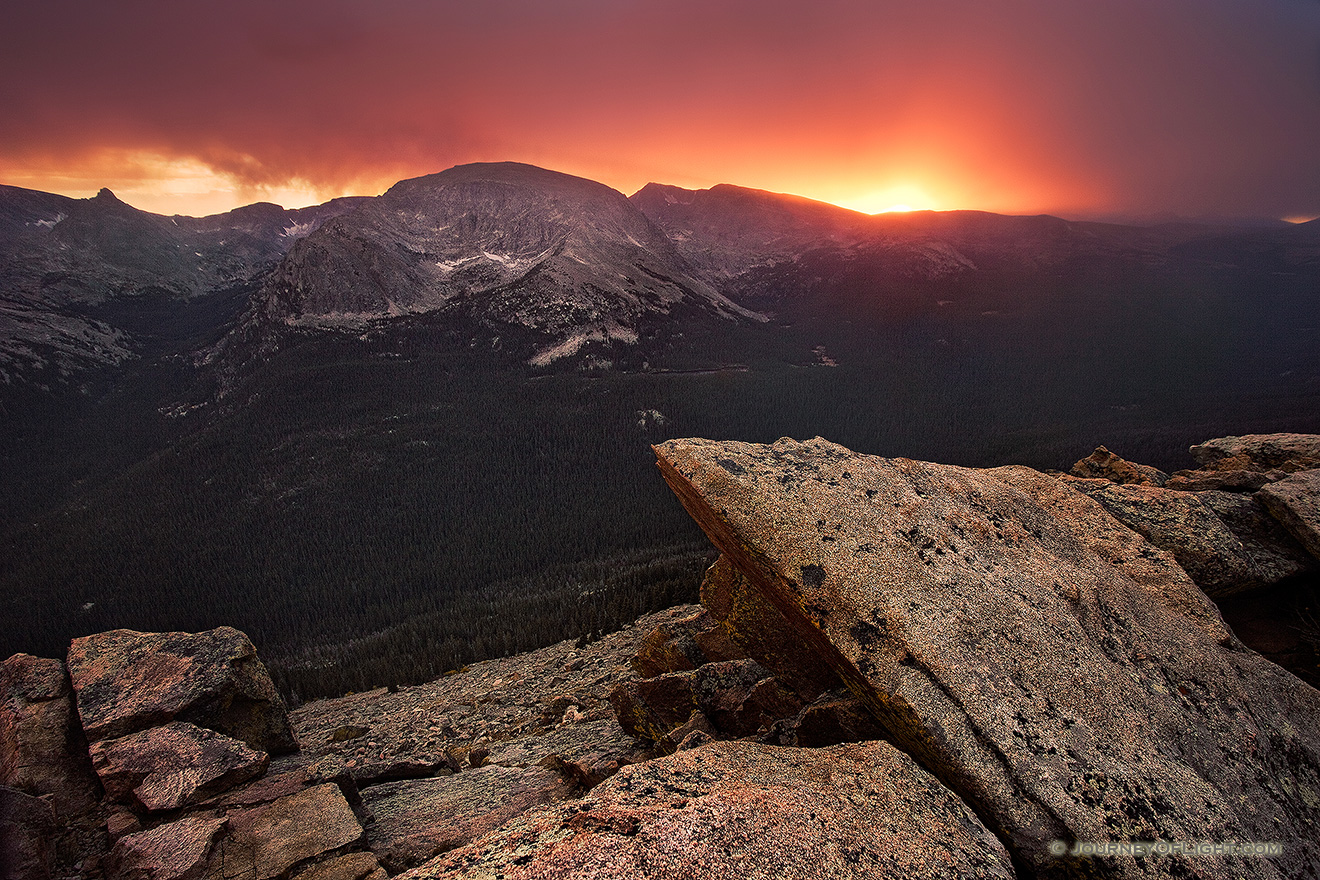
[1108, 108]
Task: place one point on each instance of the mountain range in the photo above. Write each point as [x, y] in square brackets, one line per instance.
[554, 260]
[423, 417]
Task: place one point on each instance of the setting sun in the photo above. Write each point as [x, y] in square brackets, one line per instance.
[889, 197]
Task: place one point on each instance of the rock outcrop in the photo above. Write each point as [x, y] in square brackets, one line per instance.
[53, 800]
[1224, 541]
[1063, 676]
[1225, 522]
[42, 750]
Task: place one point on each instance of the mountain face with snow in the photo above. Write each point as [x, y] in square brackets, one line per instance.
[512, 247]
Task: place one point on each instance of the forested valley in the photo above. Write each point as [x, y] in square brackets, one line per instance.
[381, 507]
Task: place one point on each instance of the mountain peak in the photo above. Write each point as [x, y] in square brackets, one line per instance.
[504, 173]
[510, 245]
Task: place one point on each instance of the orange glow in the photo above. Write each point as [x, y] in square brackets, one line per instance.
[1029, 107]
[899, 198]
[163, 184]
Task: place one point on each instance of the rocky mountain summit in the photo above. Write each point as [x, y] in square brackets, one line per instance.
[898, 669]
[513, 247]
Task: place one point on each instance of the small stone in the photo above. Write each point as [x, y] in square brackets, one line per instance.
[347, 732]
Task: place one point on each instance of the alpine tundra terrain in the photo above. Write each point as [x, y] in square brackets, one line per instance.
[389, 436]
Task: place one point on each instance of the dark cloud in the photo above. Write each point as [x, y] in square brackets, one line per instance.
[1186, 106]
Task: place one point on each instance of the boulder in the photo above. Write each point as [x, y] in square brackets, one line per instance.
[174, 851]
[745, 810]
[1221, 560]
[177, 764]
[587, 753]
[127, 681]
[27, 826]
[683, 644]
[1063, 676]
[42, 750]
[266, 841]
[1295, 502]
[1104, 464]
[416, 819]
[1262, 452]
[739, 697]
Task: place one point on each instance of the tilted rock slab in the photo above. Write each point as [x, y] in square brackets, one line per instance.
[1064, 677]
[168, 767]
[127, 681]
[747, 811]
[1295, 502]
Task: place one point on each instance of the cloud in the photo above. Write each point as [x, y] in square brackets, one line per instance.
[1187, 106]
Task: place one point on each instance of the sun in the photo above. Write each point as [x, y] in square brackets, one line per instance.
[893, 198]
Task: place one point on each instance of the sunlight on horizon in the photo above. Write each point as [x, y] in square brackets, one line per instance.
[899, 198]
[165, 185]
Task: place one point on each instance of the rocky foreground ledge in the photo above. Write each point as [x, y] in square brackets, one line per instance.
[900, 669]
